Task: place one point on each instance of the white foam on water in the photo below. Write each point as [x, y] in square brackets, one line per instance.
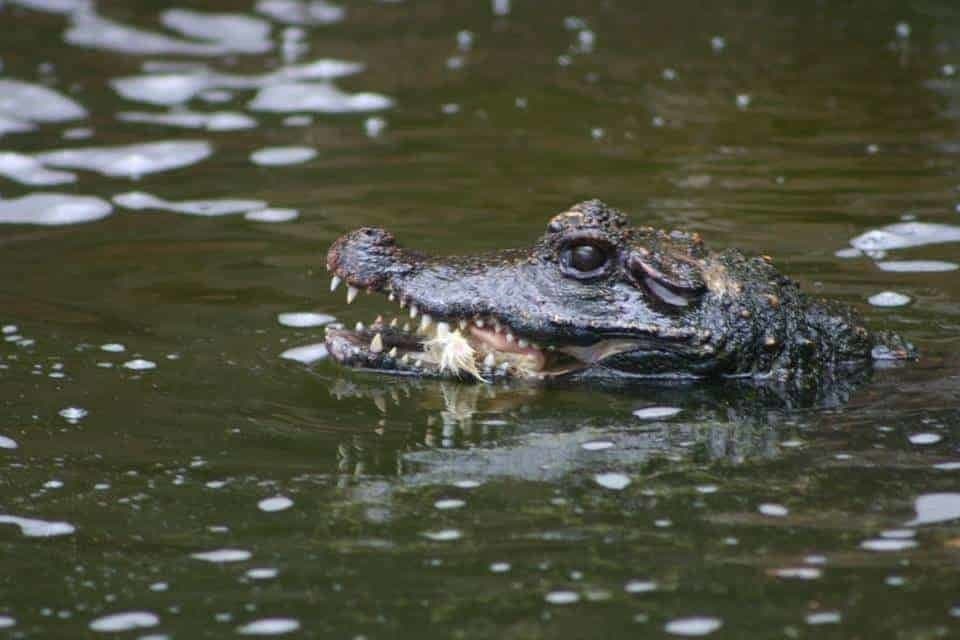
[849, 252]
[656, 413]
[596, 445]
[562, 597]
[307, 354]
[36, 103]
[222, 555]
[917, 266]
[269, 627]
[614, 481]
[443, 535]
[73, 414]
[467, 484]
[935, 507]
[33, 528]
[276, 503]
[904, 235]
[499, 567]
[262, 573]
[131, 161]
[113, 347]
[139, 364]
[317, 98]
[824, 617]
[53, 209]
[235, 32]
[884, 544]
[272, 215]
[888, 299]
[29, 171]
[947, 466]
[6, 622]
[214, 121]
[126, 621]
[138, 200]
[8, 443]
[301, 12]
[279, 156]
[447, 504]
[88, 29]
[12, 125]
[924, 438]
[304, 319]
[798, 573]
[52, 6]
[773, 510]
[374, 126]
[641, 586]
[693, 626]
[77, 133]
[172, 87]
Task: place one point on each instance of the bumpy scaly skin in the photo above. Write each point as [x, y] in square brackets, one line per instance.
[661, 305]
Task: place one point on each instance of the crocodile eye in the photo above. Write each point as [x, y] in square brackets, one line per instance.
[585, 260]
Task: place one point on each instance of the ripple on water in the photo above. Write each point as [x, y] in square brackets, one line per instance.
[304, 319]
[280, 156]
[884, 544]
[917, 266]
[449, 503]
[693, 626]
[214, 121]
[640, 586]
[932, 508]
[262, 573]
[29, 171]
[276, 503]
[33, 528]
[301, 12]
[113, 347]
[317, 98]
[138, 201]
[562, 597]
[222, 555]
[443, 535]
[73, 414]
[597, 445]
[824, 617]
[125, 621]
[612, 480]
[235, 32]
[773, 510]
[307, 354]
[133, 160]
[924, 438]
[139, 364]
[904, 235]
[272, 215]
[53, 209]
[798, 573]
[269, 627]
[32, 102]
[656, 413]
[888, 299]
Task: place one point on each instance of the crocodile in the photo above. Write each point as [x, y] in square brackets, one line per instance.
[594, 297]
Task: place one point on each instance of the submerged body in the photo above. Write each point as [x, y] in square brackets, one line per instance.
[594, 296]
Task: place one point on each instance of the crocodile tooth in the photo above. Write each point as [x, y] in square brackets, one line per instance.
[497, 327]
[489, 361]
[418, 363]
[443, 328]
[391, 297]
[381, 403]
[509, 337]
[462, 324]
[394, 323]
[352, 293]
[405, 358]
[406, 327]
[393, 352]
[335, 282]
[403, 303]
[425, 322]
[478, 322]
[376, 345]
[523, 344]
[378, 320]
[414, 311]
[359, 327]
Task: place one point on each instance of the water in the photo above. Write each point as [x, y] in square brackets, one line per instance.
[178, 457]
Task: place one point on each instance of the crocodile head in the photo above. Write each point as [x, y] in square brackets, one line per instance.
[593, 296]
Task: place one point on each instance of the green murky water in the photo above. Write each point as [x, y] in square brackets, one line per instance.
[347, 506]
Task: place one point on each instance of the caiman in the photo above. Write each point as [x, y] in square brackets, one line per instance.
[594, 296]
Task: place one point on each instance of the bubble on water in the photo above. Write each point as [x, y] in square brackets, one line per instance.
[276, 503]
[614, 481]
[903, 235]
[6, 622]
[586, 40]
[597, 445]
[8, 443]
[26, 102]
[317, 98]
[139, 200]
[34, 528]
[304, 319]
[374, 126]
[443, 535]
[499, 567]
[73, 414]
[902, 29]
[222, 555]
[139, 364]
[656, 413]
[773, 510]
[824, 617]
[29, 171]
[888, 299]
[307, 354]
[269, 627]
[214, 121]
[272, 215]
[301, 12]
[669, 74]
[53, 209]
[278, 156]
[924, 438]
[743, 100]
[465, 40]
[449, 503]
[562, 597]
[693, 626]
[948, 70]
[597, 133]
[641, 586]
[113, 347]
[262, 573]
[718, 43]
[131, 161]
[885, 544]
[917, 266]
[947, 466]
[932, 508]
[798, 573]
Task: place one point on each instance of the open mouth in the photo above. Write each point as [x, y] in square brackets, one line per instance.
[420, 341]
